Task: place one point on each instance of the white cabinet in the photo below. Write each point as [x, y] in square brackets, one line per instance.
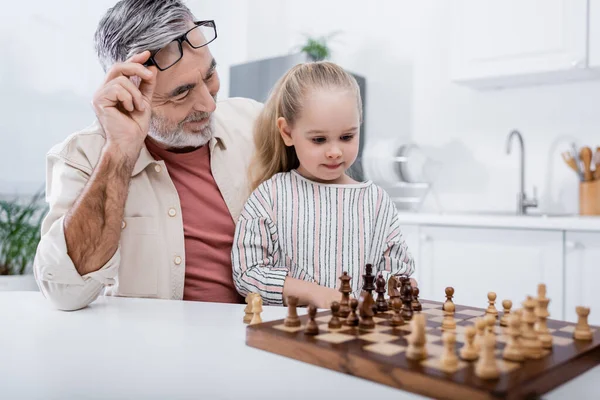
[411, 236]
[515, 42]
[510, 262]
[582, 274]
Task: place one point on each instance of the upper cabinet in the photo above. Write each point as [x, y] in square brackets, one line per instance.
[522, 42]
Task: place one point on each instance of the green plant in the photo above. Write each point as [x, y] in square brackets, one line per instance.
[317, 48]
[20, 225]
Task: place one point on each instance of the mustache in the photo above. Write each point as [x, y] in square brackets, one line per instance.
[198, 116]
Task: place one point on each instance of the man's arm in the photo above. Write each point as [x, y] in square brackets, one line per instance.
[92, 227]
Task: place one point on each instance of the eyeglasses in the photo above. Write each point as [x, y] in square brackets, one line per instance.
[199, 36]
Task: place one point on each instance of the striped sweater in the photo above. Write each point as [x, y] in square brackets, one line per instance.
[291, 226]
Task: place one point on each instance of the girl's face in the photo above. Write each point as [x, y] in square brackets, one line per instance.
[325, 135]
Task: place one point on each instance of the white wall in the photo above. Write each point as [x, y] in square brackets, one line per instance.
[398, 45]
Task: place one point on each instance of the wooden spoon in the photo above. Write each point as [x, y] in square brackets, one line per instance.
[571, 162]
[585, 154]
[597, 162]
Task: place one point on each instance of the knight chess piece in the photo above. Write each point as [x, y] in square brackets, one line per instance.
[292, 319]
[345, 289]
[248, 310]
[393, 292]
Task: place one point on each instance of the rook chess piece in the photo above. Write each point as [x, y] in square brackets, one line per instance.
[582, 329]
[352, 319]
[469, 352]
[256, 310]
[311, 327]
[397, 319]
[346, 289]
[487, 367]
[416, 350]
[406, 295]
[506, 304]
[292, 319]
[368, 279]
[448, 323]
[492, 307]
[334, 322]
[542, 314]
[382, 305]
[365, 311]
[531, 346]
[512, 351]
[449, 294]
[416, 306]
[448, 359]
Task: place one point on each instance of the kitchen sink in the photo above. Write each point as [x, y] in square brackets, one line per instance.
[506, 213]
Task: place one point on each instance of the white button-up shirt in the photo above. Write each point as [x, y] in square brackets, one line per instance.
[149, 260]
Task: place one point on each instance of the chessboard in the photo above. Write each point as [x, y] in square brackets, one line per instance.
[379, 354]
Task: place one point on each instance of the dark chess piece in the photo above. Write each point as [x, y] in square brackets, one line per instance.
[368, 279]
[346, 289]
[382, 305]
[416, 306]
[334, 322]
[365, 311]
[397, 319]
[292, 319]
[406, 295]
[352, 319]
[311, 327]
[393, 292]
[402, 279]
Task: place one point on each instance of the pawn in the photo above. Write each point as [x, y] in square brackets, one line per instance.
[468, 352]
[416, 306]
[582, 329]
[352, 319]
[334, 322]
[448, 359]
[256, 310]
[490, 321]
[487, 367]
[397, 319]
[480, 328]
[292, 319]
[492, 307]
[417, 339]
[311, 327]
[512, 350]
[449, 293]
[449, 324]
[506, 304]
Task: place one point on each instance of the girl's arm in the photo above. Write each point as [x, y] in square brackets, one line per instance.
[311, 293]
[396, 258]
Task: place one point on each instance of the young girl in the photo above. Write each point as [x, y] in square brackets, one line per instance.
[307, 221]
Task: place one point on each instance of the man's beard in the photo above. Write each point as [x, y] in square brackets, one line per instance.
[162, 132]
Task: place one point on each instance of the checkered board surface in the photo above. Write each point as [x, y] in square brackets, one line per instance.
[379, 354]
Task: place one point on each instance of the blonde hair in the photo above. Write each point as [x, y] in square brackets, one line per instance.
[285, 100]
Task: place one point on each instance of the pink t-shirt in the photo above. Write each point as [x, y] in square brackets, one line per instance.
[207, 225]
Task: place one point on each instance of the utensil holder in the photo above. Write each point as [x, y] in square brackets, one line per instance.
[589, 198]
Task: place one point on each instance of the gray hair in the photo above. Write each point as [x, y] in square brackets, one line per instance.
[133, 26]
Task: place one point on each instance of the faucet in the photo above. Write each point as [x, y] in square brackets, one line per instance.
[523, 203]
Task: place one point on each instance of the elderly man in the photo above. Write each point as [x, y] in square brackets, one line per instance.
[143, 203]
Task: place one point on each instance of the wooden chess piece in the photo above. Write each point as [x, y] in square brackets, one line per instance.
[469, 352]
[448, 359]
[490, 322]
[256, 310]
[492, 307]
[345, 289]
[368, 279]
[448, 323]
[512, 350]
[416, 305]
[506, 304]
[393, 292]
[311, 327]
[365, 311]
[449, 294]
[334, 322]
[542, 314]
[397, 319]
[382, 305]
[487, 367]
[530, 344]
[292, 319]
[416, 350]
[582, 329]
[352, 319]
[480, 326]
[248, 309]
[406, 295]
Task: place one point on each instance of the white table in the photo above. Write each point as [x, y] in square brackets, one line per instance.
[122, 348]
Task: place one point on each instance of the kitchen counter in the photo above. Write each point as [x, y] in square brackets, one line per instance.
[501, 219]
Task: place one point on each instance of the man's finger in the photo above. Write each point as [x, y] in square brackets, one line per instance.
[148, 84]
[127, 69]
[139, 58]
